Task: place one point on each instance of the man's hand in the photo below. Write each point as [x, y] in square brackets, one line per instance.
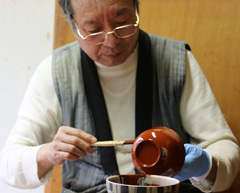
[197, 163]
[68, 144]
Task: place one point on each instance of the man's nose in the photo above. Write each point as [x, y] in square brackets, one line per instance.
[111, 40]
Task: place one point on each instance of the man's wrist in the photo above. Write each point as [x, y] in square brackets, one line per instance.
[213, 172]
[210, 164]
[44, 164]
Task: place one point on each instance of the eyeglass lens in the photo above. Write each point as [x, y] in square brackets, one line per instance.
[126, 31]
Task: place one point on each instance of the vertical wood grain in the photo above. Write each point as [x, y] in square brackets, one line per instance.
[55, 184]
[62, 31]
[212, 28]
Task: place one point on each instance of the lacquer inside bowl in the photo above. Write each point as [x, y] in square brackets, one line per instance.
[141, 183]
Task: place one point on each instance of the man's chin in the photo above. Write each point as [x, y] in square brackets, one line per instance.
[112, 62]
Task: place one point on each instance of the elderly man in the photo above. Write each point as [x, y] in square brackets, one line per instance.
[113, 83]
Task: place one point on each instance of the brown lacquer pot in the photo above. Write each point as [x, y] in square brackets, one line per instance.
[158, 151]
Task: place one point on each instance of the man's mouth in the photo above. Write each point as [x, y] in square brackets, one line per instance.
[112, 55]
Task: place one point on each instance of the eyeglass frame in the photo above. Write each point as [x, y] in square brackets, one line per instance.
[108, 33]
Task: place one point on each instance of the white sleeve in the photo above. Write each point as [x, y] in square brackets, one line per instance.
[207, 127]
[38, 119]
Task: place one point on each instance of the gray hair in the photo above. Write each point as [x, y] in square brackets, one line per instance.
[68, 10]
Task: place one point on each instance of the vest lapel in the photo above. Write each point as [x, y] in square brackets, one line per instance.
[98, 111]
[143, 114]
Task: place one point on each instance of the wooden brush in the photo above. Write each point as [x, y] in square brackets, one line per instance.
[111, 143]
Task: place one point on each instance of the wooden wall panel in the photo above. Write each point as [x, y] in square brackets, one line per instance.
[212, 28]
[62, 31]
[55, 183]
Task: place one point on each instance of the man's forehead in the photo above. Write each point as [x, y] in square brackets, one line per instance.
[93, 4]
[86, 11]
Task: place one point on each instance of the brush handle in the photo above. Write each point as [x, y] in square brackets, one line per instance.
[111, 143]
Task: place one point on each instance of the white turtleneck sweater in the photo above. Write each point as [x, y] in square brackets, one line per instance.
[118, 85]
[40, 116]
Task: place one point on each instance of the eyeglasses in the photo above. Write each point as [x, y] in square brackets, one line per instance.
[98, 38]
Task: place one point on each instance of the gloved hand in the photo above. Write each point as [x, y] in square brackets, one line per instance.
[197, 163]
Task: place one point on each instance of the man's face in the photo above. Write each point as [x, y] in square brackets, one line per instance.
[93, 16]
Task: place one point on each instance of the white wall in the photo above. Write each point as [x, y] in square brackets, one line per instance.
[26, 38]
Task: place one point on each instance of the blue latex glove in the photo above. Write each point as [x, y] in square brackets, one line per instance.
[197, 163]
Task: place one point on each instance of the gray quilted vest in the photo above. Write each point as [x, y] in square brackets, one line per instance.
[87, 174]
